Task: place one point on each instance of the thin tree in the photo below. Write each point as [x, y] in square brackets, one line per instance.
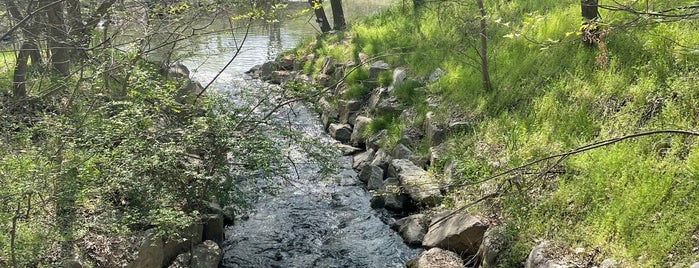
[590, 14]
[483, 52]
[322, 20]
[338, 15]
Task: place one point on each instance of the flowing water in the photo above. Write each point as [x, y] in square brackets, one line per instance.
[314, 220]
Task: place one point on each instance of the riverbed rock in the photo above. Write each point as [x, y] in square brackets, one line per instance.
[362, 159]
[539, 257]
[493, 243]
[376, 68]
[374, 141]
[394, 199]
[401, 152]
[267, 68]
[206, 255]
[347, 150]
[437, 258]
[185, 240]
[416, 182]
[370, 172]
[412, 229]
[461, 233]
[150, 253]
[360, 126]
[340, 132]
[381, 159]
[229, 214]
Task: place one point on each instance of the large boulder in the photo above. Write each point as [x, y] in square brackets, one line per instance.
[435, 131]
[184, 241]
[340, 132]
[362, 159]
[178, 71]
[461, 233]
[150, 253]
[348, 110]
[540, 257]
[437, 258]
[421, 186]
[401, 152]
[381, 159]
[206, 255]
[374, 141]
[412, 229]
[360, 126]
[213, 228]
[370, 173]
[493, 243]
[394, 200]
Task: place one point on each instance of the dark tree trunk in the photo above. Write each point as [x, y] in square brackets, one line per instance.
[418, 3]
[590, 32]
[19, 88]
[338, 15]
[58, 40]
[320, 15]
[485, 75]
[30, 30]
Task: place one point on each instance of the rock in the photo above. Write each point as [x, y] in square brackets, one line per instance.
[411, 135]
[362, 159]
[538, 257]
[435, 132]
[439, 258]
[381, 159]
[493, 243]
[229, 215]
[185, 240]
[412, 229]
[280, 77]
[347, 110]
[610, 263]
[267, 69]
[401, 152]
[373, 141]
[301, 63]
[178, 71]
[375, 181]
[437, 154]
[340, 132]
[459, 126]
[461, 233]
[71, 264]
[369, 172]
[389, 105]
[347, 149]
[399, 76]
[376, 95]
[360, 126]
[393, 198]
[363, 57]
[377, 201]
[286, 62]
[416, 182]
[376, 68]
[323, 80]
[150, 253]
[213, 228]
[329, 117]
[206, 255]
[182, 261]
[328, 66]
[438, 73]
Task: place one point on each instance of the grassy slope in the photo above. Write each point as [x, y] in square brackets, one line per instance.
[636, 200]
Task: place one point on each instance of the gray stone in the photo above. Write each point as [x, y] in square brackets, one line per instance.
[150, 253]
[412, 229]
[347, 149]
[438, 73]
[393, 198]
[399, 76]
[178, 71]
[360, 126]
[435, 132]
[328, 66]
[185, 240]
[206, 255]
[374, 141]
[461, 233]
[437, 154]
[381, 159]
[376, 95]
[411, 135]
[340, 132]
[280, 77]
[610, 263]
[416, 182]
[539, 257]
[389, 105]
[323, 80]
[459, 126]
[213, 228]
[328, 117]
[438, 258]
[182, 261]
[286, 62]
[229, 215]
[376, 68]
[493, 243]
[401, 152]
[378, 201]
[71, 264]
[369, 172]
[267, 69]
[347, 110]
[362, 159]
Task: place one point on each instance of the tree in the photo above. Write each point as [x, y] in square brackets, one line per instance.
[338, 15]
[483, 52]
[590, 31]
[321, 19]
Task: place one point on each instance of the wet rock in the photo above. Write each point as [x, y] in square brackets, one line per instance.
[435, 132]
[362, 159]
[267, 69]
[280, 77]
[376, 68]
[416, 182]
[206, 255]
[374, 141]
[401, 152]
[360, 126]
[539, 258]
[328, 66]
[412, 229]
[493, 243]
[399, 76]
[436, 74]
[461, 233]
[213, 228]
[378, 201]
[340, 132]
[381, 159]
[370, 173]
[438, 258]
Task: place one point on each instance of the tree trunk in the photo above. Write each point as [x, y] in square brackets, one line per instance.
[418, 3]
[320, 15]
[338, 15]
[485, 75]
[19, 80]
[590, 31]
[58, 39]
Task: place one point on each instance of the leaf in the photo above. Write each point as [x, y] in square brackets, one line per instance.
[510, 35]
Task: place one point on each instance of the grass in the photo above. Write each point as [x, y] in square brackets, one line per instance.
[635, 201]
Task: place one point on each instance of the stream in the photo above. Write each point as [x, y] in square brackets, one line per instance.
[313, 220]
